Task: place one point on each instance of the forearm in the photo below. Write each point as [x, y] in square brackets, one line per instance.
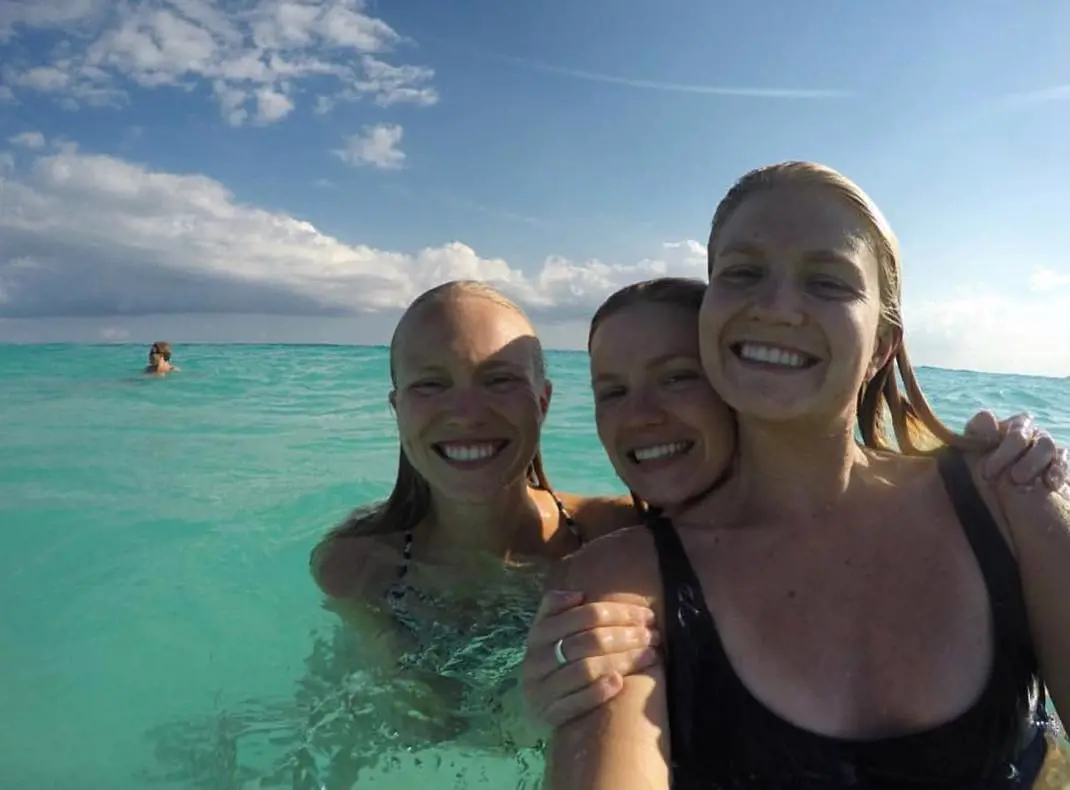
[1040, 530]
[622, 745]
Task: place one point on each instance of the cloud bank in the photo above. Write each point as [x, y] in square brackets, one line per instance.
[92, 235]
[98, 240]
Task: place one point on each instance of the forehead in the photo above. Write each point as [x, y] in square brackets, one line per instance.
[797, 218]
[466, 330]
[643, 332]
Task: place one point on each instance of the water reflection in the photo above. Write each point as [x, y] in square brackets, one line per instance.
[342, 727]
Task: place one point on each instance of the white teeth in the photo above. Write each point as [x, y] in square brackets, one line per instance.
[660, 451]
[469, 452]
[771, 355]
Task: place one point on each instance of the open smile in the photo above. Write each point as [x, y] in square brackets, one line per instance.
[470, 452]
[772, 356]
[665, 451]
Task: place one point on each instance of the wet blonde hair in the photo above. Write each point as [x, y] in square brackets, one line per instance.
[915, 426]
[410, 500]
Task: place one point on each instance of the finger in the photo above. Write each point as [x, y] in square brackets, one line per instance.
[579, 674]
[1058, 474]
[557, 601]
[984, 425]
[579, 649]
[573, 706]
[552, 605]
[586, 617]
[1030, 467]
[585, 676]
[1016, 440]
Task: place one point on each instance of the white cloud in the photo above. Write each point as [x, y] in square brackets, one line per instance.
[375, 146]
[256, 59]
[94, 235]
[1048, 280]
[101, 240]
[982, 328]
[31, 140]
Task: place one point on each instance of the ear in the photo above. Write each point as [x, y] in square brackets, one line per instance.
[392, 399]
[889, 340]
[544, 398]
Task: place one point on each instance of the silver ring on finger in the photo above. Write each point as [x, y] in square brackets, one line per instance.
[559, 652]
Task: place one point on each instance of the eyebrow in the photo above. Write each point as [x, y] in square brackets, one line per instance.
[424, 368]
[813, 256]
[656, 362]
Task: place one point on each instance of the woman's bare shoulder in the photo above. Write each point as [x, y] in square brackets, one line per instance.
[599, 515]
[617, 566]
[355, 566]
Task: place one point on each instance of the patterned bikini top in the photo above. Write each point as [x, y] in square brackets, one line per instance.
[479, 642]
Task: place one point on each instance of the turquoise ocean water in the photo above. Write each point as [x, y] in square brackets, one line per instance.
[159, 628]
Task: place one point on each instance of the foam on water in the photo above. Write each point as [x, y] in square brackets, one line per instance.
[160, 628]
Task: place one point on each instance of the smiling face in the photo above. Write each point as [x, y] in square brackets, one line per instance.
[790, 326]
[666, 432]
[469, 395]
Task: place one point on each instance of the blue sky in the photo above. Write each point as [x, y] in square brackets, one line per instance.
[300, 170]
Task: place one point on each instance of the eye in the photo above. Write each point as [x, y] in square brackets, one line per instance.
[427, 387]
[680, 377]
[608, 393]
[502, 381]
[740, 274]
[831, 286]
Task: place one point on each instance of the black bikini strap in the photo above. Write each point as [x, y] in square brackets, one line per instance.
[691, 634]
[998, 565]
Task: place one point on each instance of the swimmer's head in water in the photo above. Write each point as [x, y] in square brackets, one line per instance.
[802, 317]
[666, 432]
[469, 392]
[160, 350]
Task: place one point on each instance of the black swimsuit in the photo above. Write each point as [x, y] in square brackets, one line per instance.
[723, 737]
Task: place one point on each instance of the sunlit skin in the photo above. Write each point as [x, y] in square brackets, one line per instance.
[466, 387]
[845, 594]
[794, 272]
[469, 398]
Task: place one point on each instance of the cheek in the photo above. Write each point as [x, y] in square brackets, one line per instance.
[524, 408]
[710, 326]
[859, 330]
[604, 425]
[411, 415]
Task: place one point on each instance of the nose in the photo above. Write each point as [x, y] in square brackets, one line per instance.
[466, 406]
[777, 300]
[643, 410]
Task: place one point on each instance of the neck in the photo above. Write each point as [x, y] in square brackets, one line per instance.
[492, 527]
[796, 470]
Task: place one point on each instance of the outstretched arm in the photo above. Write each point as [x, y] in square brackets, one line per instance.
[1038, 523]
[622, 744]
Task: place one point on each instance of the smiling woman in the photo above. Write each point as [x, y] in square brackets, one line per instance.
[836, 613]
[442, 579]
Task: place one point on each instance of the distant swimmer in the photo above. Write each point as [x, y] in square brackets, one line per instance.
[160, 359]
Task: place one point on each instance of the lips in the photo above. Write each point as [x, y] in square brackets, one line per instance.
[772, 355]
[661, 451]
[470, 450]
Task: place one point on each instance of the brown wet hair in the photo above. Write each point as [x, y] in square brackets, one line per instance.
[163, 348]
[684, 292]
